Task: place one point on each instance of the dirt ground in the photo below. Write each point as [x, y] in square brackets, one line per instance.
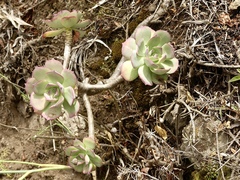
[186, 128]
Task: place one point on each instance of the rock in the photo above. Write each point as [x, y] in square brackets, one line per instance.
[206, 139]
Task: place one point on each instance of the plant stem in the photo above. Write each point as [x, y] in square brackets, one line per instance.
[32, 163]
[67, 49]
[110, 83]
[45, 167]
[90, 116]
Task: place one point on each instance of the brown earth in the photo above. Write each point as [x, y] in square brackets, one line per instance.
[132, 140]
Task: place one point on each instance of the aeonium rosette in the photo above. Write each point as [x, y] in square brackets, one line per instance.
[82, 157]
[148, 55]
[65, 20]
[51, 90]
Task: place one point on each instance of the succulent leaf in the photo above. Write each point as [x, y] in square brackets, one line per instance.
[71, 110]
[38, 102]
[54, 65]
[97, 161]
[78, 143]
[165, 37]
[39, 87]
[136, 60]
[143, 33]
[71, 151]
[40, 73]
[69, 22]
[89, 143]
[154, 42]
[86, 159]
[29, 85]
[86, 169]
[150, 63]
[168, 50]
[52, 33]
[54, 77]
[56, 23]
[174, 67]
[82, 24]
[53, 112]
[129, 47]
[69, 78]
[128, 72]
[69, 95]
[145, 75]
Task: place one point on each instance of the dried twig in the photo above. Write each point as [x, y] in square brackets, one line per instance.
[204, 63]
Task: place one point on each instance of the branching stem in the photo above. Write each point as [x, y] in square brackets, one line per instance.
[67, 49]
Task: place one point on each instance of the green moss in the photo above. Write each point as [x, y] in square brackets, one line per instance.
[210, 172]
[117, 50]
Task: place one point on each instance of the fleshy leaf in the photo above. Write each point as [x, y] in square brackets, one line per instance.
[53, 33]
[128, 72]
[143, 33]
[54, 65]
[129, 47]
[141, 50]
[171, 65]
[168, 50]
[145, 75]
[58, 103]
[54, 23]
[38, 102]
[69, 95]
[39, 73]
[78, 144]
[96, 161]
[235, 78]
[71, 110]
[87, 159]
[54, 77]
[160, 71]
[164, 35]
[175, 63]
[154, 41]
[79, 168]
[82, 24]
[89, 143]
[69, 78]
[69, 21]
[69, 151]
[29, 85]
[52, 112]
[156, 78]
[137, 61]
[86, 169]
[150, 63]
[40, 87]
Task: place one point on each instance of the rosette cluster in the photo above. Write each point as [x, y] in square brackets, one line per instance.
[149, 55]
[51, 90]
[65, 20]
[82, 157]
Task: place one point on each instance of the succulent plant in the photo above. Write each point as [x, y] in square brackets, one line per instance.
[65, 20]
[51, 90]
[82, 157]
[148, 55]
